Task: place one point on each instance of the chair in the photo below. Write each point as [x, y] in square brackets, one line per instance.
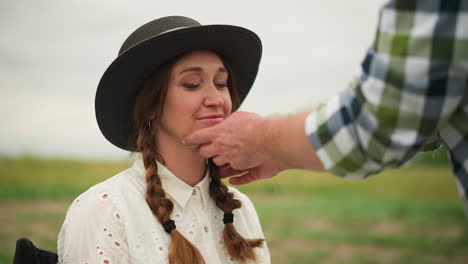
[27, 253]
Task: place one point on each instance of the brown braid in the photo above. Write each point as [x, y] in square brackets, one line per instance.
[180, 249]
[238, 248]
[147, 110]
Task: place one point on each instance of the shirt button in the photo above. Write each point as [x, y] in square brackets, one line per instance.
[194, 192]
[206, 229]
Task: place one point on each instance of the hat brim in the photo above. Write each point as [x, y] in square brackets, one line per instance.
[240, 48]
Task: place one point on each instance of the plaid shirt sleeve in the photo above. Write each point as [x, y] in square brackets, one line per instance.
[410, 83]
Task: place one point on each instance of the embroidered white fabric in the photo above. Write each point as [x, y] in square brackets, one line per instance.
[111, 222]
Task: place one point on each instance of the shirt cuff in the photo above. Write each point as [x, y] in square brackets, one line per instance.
[331, 131]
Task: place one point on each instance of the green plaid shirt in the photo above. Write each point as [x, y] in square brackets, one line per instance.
[412, 88]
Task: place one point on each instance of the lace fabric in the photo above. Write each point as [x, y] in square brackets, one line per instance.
[111, 222]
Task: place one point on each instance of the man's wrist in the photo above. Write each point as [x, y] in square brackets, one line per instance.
[285, 140]
[268, 137]
[261, 135]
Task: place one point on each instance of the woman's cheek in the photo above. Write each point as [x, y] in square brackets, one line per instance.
[228, 105]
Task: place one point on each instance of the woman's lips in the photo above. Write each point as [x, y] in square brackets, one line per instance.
[211, 119]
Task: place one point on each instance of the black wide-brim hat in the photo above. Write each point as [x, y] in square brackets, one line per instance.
[153, 44]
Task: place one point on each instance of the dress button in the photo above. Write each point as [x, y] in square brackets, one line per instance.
[194, 192]
[206, 229]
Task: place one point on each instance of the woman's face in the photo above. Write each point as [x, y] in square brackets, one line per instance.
[197, 95]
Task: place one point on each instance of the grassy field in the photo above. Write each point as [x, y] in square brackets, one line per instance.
[410, 215]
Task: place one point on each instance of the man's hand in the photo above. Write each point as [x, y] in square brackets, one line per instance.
[267, 170]
[236, 141]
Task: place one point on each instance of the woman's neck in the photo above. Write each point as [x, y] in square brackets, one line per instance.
[184, 162]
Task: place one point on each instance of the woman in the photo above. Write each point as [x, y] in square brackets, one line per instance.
[172, 77]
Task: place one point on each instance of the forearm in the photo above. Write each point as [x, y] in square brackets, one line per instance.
[285, 140]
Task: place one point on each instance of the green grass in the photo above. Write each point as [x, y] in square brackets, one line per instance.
[319, 228]
[30, 177]
[410, 215]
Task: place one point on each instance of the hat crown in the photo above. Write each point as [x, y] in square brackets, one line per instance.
[156, 27]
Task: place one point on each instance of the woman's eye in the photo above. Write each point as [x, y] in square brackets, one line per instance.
[191, 85]
[221, 85]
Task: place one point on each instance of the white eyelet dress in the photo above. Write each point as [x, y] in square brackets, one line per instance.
[111, 222]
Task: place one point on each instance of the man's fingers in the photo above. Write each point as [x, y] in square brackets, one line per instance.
[208, 151]
[244, 179]
[226, 171]
[219, 160]
[202, 136]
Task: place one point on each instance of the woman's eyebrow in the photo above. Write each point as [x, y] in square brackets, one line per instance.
[195, 69]
[199, 69]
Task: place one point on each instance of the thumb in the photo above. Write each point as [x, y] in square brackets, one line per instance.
[227, 171]
[243, 179]
[202, 136]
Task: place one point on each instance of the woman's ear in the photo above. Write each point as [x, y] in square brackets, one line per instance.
[151, 116]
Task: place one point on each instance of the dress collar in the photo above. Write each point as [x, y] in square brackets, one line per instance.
[177, 189]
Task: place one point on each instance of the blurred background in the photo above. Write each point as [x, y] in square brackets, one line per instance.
[53, 53]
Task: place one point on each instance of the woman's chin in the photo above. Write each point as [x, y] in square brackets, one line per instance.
[202, 124]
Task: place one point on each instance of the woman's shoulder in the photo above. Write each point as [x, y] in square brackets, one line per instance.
[247, 221]
[115, 183]
[243, 198]
[237, 194]
[114, 190]
[96, 215]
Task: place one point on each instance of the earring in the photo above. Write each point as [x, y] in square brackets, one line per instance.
[149, 125]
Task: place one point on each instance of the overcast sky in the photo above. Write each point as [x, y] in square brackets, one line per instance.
[53, 53]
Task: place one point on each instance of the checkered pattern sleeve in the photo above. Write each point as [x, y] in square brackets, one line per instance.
[410, 83]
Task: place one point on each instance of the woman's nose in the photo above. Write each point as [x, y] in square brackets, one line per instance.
[213, 97]
[213, 100]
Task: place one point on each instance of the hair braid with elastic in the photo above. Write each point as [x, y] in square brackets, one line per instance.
[238, 247]
[180, 249]
[147, 110]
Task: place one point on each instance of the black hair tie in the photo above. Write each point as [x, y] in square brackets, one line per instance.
[169, 225]
[228, 218]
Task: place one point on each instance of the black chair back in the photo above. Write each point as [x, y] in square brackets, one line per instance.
[27, 253]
